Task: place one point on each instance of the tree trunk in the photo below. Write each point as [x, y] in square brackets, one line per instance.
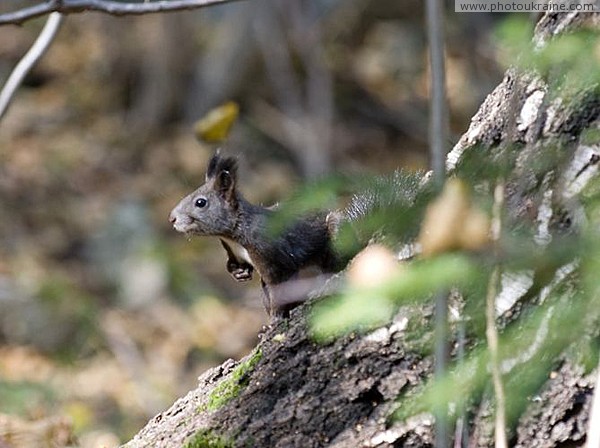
[294, 392]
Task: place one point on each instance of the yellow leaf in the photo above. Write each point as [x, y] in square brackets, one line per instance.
[214, 127]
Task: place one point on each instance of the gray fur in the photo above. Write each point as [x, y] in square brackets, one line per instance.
[242, 227]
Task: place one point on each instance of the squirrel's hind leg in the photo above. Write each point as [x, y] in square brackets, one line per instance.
[266, 298]
[274, 305]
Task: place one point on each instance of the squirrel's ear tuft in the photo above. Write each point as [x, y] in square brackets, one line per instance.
[211, 170]
[218, 164]
[222, 171]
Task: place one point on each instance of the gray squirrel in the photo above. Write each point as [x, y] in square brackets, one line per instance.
[217, 208]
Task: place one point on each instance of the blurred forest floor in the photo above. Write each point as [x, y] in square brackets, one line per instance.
[106, 313]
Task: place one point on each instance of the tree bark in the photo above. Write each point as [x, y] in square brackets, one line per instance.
[302, 394]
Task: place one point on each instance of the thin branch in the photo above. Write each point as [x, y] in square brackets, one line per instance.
[438, 122]
[461, 431]
[438, 128]
[491, 329]
[105, 6]
[37, 50]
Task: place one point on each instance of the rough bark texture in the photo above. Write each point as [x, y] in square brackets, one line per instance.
[304, 394]
[301, 394]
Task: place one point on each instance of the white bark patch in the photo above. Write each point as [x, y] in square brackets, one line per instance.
[514, 286]
[530, 110]
[559, 277]
[540, 39]
[420, 424]
[551, 113]
[453, 156]
[408, 251]
[564, 23]
[470, 137]
[474, 132]
[533, 348]
[543, 235]
[582, 168]
[383, 335]
[561, 274]
[380, 335]
[389, 436]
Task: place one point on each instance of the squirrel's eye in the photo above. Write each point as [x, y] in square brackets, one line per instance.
[200, 202]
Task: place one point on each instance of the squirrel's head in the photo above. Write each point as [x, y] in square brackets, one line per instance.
[213, 208]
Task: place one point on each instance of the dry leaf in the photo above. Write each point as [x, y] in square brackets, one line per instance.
[214, 127]
[451, 222]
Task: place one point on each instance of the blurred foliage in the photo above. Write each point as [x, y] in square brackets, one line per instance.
[558, 315]
[569, 63]
[531, 345]
[362, 308]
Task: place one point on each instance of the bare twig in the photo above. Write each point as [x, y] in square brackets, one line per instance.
[491, 330]
[37, 50]
[105, 6]
[593, 435]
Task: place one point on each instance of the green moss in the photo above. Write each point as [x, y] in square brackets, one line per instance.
[208, 439]
[232, 386]
[418, 334]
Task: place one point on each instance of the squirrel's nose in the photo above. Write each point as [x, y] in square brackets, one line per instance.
[172, 218]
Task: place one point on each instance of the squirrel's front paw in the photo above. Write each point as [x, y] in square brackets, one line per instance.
[242, 275]
[240, 272]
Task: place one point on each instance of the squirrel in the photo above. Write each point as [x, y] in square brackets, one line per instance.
[217, 208]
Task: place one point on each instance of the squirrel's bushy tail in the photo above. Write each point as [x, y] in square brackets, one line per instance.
[400, 188]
